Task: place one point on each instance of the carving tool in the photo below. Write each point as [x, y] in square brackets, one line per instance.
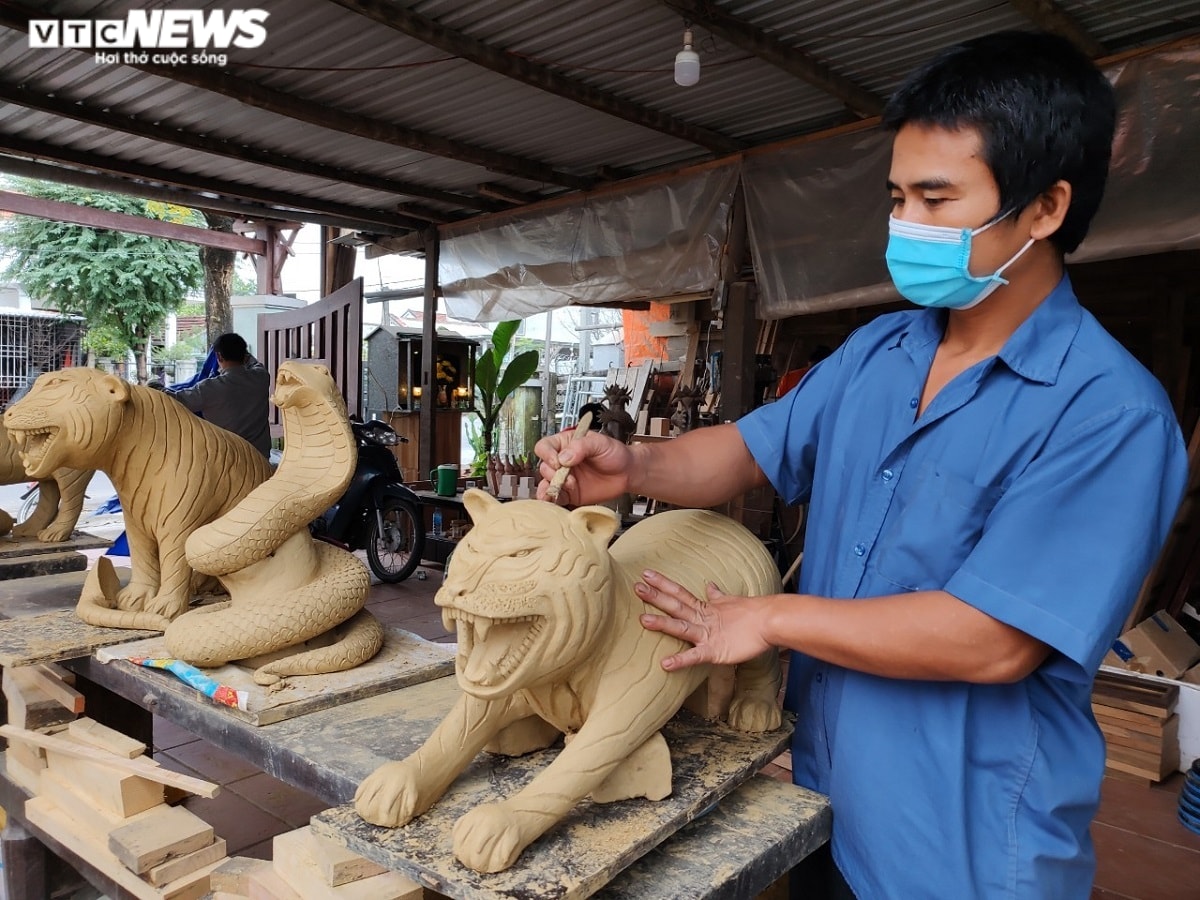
[560, 476]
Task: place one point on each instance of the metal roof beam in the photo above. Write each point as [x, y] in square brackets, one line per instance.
[112, 120]
[507, 194]
[542, 77]
[16, 15]
[304, 110]
[194, 200]
[290, 205]
[115, 221]
[1048, 15]
[792, 60]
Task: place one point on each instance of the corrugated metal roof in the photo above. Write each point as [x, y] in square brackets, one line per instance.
[328, 58]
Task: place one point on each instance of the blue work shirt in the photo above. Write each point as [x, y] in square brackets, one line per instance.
[1038, 486]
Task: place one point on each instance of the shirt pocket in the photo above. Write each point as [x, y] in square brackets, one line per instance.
[934, 522]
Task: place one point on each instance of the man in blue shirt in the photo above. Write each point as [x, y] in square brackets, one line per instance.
[989, 478]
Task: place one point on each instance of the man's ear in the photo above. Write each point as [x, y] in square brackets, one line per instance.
[1050, 209]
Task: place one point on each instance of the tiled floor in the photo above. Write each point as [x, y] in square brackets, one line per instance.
[1144, 852]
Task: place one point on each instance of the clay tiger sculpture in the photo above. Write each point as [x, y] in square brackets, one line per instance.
[549, 642]
[60, 497]
[172, 471]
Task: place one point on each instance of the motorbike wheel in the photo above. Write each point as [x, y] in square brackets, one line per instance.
[29, 505]
[395, 552]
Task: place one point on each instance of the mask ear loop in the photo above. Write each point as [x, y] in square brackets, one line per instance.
[1029, 243]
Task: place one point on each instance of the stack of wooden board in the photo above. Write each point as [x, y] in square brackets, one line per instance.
[1140, 728]
[93, 790]
[305, 866]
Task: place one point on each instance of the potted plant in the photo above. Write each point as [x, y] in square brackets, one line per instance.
[493, 386]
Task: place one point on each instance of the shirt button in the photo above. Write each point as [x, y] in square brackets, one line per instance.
[819, 677]
[887, 474]
[860, 549]
[912, 403]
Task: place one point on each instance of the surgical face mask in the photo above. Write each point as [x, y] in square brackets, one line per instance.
[929, 264]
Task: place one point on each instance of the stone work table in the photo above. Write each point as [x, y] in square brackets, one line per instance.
[752, 837]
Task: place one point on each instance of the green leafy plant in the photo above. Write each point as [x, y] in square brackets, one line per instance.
[494, 385]
[122, 284]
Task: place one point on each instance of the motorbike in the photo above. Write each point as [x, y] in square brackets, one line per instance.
[377, 512]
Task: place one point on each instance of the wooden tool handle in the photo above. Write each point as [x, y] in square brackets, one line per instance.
[560, 477]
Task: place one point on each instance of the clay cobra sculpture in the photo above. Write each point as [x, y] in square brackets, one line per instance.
[284, 587]
[60, 497]
[549, 642]
[172, 471]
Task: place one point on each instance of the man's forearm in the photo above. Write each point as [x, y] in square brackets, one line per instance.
[926, 635]
[701, 468]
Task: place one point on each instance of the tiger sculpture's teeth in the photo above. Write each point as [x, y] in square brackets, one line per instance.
[509, 641]
[32, 443]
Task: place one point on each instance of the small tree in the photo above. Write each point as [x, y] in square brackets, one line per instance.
[127, 283]
[493, 386]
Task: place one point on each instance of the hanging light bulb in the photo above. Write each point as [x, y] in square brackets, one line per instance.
[687, 61]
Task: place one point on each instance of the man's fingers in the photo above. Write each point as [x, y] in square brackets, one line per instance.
[669, 602]
[693, 656]
[675, 627]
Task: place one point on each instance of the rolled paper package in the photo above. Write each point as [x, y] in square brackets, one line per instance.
[193, 677]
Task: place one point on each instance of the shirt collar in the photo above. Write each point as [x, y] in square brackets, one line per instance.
[1037, 348]
[1035, 351]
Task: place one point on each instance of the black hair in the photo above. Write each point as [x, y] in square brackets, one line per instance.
[1043, 111]
[231, 347]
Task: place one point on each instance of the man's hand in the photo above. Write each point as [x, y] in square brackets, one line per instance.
[725, 630]
[600, 467]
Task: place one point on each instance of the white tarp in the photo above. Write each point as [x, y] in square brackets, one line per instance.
[658, 240]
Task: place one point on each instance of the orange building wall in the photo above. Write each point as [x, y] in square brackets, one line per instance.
[639, 345]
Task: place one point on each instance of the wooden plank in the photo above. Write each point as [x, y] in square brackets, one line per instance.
[1128, 737]
[140, 766]
[294, 857]
[54, 636]
[404, 659]
[121, 793]
[43, 814]
[174, 869]
[63, 693]
[163, 834]
[29, 705]
[337, 863]
[1135, 722]
[589, 846]
[1129, 715]
[232, 875]
[90, 732]
[1120, 685]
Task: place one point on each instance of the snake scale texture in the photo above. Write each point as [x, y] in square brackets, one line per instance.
[285, 588]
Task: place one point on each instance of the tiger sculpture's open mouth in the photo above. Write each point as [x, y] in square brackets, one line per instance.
[492, 651]
[33, 445]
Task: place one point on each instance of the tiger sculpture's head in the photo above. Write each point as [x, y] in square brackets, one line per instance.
[528, 591]
[67, 418]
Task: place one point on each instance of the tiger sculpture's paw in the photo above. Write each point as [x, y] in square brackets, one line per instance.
[488, 838]
[134, 596]
[168, 605]
[55, 533]
[754, 715]
[389, 795]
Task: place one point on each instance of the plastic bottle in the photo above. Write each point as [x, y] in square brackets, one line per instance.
[437, 522]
